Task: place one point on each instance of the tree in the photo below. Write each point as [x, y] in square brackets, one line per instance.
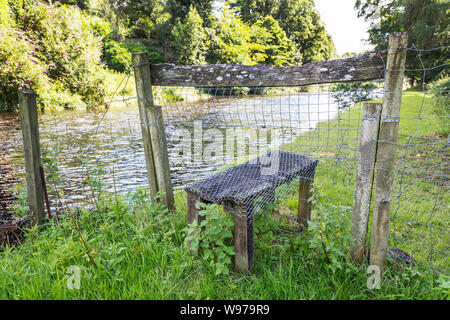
[181, 8]
[299, 20]
[254, 10]
[50, 49]
[279, 49]
[189, 39]
[425, 21]
[231, 40]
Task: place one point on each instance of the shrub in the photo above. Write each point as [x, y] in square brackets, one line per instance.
[117, 57]
[102, 29]
[19, 67]
[329, 231]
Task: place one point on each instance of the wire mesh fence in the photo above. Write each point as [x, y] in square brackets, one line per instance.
[87, 151]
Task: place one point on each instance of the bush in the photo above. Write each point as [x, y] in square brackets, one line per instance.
[117, 58]
[49, 49]
[102, 29]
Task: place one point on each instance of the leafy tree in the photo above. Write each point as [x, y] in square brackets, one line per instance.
[110, 12]
[279, 49]
[82, 4]
[233, 41]
[118, 55]
[425, 21]
[189, 39]
[181, 8]
[140, 15]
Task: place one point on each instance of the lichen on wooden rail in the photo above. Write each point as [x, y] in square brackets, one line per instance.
[366, 67]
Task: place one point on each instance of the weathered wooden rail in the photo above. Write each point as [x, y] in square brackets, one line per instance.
[366, 67]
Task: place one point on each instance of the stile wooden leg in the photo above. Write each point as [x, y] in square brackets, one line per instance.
[193, 206]
[243, 241]
[304, 204]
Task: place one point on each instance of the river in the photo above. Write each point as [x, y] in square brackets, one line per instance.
[75, 143]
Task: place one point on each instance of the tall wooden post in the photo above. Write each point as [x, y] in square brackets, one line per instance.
[30, 133]
[364, 179]
[153, 135]
[387, 146]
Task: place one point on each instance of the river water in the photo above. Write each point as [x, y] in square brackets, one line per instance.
[75, 143]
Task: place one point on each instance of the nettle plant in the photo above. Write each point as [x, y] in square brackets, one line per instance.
[329, 233]
[213, 238]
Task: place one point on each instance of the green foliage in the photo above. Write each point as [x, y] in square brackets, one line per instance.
[426, 22]
[329, 231]
[279, 49]
[19, 67]
[189, 39]
[444, 285]
[117, 58]
[82, 4]
[213, 238]
[118, 55]
[441, 104]
[140, 16]
[179, 9]
[52, 50]
[299, 20]
[232, 41]
[102, 29]
[109, 11]
[266, 229]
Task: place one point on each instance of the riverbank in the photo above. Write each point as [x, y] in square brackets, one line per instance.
[127, 248]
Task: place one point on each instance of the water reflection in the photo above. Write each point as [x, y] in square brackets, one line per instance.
[79, 140]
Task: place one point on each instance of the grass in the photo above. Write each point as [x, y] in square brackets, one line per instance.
[421, 190]
[139, 248]
[140, 254]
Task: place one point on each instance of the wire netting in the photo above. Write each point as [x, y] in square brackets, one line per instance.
[89, 150]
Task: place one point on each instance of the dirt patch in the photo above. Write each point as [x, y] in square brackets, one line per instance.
[12, 231]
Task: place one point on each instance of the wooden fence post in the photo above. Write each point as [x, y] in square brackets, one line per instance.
[364, 179]
[153, 134]
[32, 153]
[387, 146]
